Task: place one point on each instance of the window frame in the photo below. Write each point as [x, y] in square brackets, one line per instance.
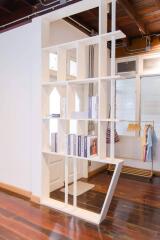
[138, 74]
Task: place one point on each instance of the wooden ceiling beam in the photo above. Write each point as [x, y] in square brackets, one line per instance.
[157, 2]
[129, 9]
[27, 3]
[6, 10]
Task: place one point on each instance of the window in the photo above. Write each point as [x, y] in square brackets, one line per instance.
[73, 68]
[128, 66]
[151, 65]
[125, 103]
[53, 61]
[150, 100]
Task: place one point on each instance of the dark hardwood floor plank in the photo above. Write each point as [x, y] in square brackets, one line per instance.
[134, 214]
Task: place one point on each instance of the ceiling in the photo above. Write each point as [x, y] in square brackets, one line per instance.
[134, 17]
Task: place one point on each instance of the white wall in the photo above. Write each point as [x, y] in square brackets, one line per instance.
[19, 79]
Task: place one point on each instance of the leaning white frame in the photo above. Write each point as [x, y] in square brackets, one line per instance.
[65, 207]
[73, 209]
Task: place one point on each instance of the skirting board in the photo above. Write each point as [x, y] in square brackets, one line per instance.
[21, 192]
[98, 170]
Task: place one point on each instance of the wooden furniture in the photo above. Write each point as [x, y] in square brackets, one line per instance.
[68, 89]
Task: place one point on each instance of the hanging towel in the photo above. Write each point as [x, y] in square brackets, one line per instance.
[149, 144]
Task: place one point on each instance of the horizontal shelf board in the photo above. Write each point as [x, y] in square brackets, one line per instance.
[70, 209]
[94, 159]
[82, 119]
[50, 118]
[108, 120]
[83, 81]
[87, 41]
[55, 83]
[79, 81]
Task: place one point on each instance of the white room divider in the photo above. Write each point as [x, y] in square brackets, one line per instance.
[66, 88]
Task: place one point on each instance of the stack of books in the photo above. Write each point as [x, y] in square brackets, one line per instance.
[82, 146]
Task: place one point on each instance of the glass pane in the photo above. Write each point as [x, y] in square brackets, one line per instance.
[151, 65]
[126, 66]
[125, 103]
[150, 100]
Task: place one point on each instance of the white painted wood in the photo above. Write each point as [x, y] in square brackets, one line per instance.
[72, 9]
[66, 180]
[113, 22]
[56, 173]
[103, 14]
[81, 61]
[45, 177]
[111, 190]
[69, 209]
[75, 182]
[94, 159]
[87, 41]
[74, 164]
[62, 64]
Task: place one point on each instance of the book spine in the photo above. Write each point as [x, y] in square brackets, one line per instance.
[89, 107]
[85, 146]
[82, 146]
[74, 145]
[88, 146]
[79, 145]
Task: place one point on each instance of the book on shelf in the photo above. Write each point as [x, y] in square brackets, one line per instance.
[92, 112]
[54, 142]
[93, 102]
[80, 145]
[54, 115]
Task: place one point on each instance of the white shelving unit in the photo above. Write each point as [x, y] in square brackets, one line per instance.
[67, 88]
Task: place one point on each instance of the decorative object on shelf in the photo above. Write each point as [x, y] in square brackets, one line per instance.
[108, 132]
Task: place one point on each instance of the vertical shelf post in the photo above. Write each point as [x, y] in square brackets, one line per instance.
[62, 64]
[102, 69]
[113, 72]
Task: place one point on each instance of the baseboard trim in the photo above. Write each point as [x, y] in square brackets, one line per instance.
[35, 199]
[16, 190]
[96, 171]
[156, 173]
[21, 192]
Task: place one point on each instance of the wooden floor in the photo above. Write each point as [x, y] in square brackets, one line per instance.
[134, 214]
